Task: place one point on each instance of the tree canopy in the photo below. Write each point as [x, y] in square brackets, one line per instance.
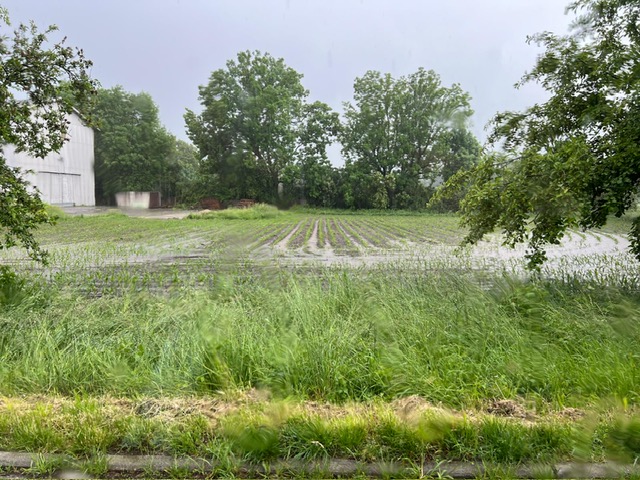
[397, 135]
[187, 183]
[133, 150]
[256, 126]
[40, 85]
[575, 159]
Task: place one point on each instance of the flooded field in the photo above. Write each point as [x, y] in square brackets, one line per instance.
[162, 248]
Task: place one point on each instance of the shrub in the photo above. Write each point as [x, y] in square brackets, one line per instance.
[12, 287]
[257, 212]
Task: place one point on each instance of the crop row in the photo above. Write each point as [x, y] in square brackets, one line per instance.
[118, 252]
[353, 235]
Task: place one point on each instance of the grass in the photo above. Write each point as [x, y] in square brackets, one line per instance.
[256, 212]
[133, 313]
[56, 212]
[260, 431]
[337, 336]
[322, 233]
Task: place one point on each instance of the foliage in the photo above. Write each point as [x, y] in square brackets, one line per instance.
[311, 176]
[399, 137]
[574, 160]
[40, 85]
[256, 130]
[189, 186]
[12, 287]
[21, 211]
[133, 150]
[256, 212]
[465, 152]
[56, 212]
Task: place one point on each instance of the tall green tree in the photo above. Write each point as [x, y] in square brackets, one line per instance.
[188, 184]
[133, 150]
[311, 175]
[40, 85]
[575, 159]
[395, 135]
[256, 126]
[460, 152]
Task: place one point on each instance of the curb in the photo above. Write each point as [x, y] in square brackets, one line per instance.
[158, 464]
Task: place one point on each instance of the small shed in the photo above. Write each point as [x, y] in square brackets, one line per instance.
[138, 200]
[65, 177]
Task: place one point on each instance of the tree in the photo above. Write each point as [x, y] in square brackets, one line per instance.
[460, 151]
[255, 125]
[575, 159]
[133, 150]
[395, 136]
[188, 184]
[40, 85]
[311, 175]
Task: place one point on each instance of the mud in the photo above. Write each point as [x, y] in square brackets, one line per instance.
[577, 252]
[282, 245]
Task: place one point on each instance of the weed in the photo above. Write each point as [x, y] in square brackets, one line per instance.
[258, 211]
[179, 472]
[47, 465]
[12, 287]
[96, 465]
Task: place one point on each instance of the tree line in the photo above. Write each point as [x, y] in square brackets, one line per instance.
[259, 137]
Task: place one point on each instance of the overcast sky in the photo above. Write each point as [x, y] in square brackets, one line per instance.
[169, 47]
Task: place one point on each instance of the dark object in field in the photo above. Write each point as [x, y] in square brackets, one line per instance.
[210, 203]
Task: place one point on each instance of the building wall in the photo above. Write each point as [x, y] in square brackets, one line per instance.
[65, 177]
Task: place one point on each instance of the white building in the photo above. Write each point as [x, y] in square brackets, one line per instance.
[65, 177]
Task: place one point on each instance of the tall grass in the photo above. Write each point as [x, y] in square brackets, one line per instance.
[256, 212]
[337, 336]
[56, 212]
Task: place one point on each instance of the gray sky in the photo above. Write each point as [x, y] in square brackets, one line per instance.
[169, 47]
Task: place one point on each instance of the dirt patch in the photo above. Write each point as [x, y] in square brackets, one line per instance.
[313, 239]
[175, 408]
[413, 408]
[571, 413]
[506, 408]
[270, 236]
[313, 247]
[325, 232]
[411, 404]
